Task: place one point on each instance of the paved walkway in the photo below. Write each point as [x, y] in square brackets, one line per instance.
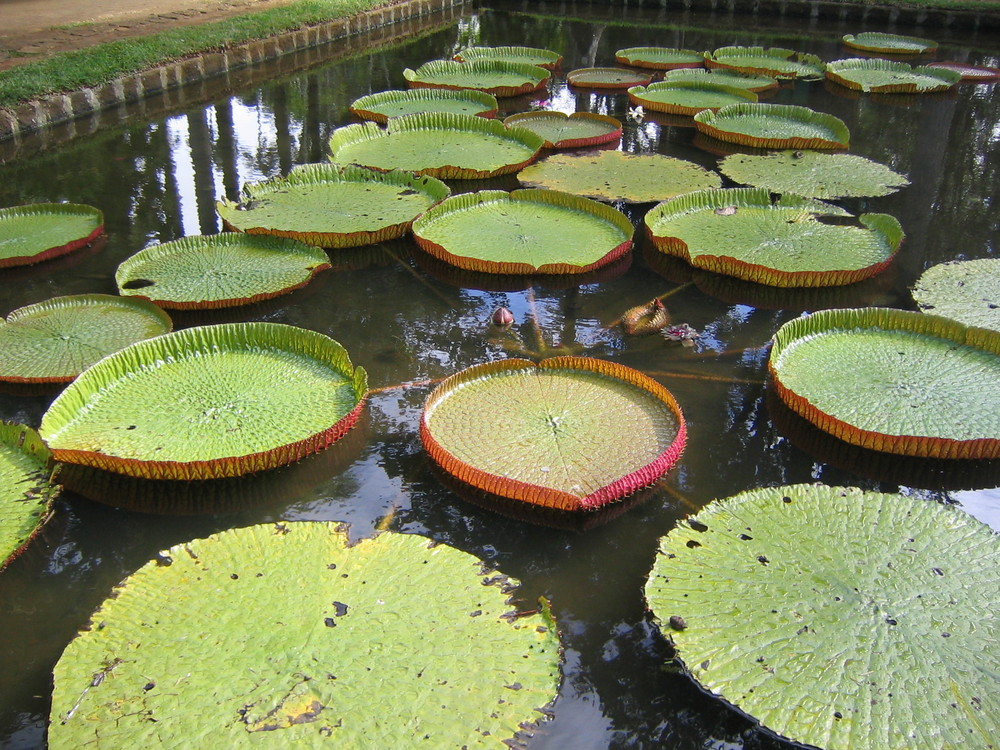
[35, 29]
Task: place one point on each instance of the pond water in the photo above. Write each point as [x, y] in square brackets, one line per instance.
[408, 321]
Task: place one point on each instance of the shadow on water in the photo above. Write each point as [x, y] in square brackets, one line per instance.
[410, 322]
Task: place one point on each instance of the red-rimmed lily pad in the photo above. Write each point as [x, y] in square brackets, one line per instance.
[219, 270]
[496, 77]
[775, 62]
[207, 402]
[888, 77]
[838, 618]
[964, 290]
[379, 107]
[577, 130]
[660, 58]
[813, 174]
[571, 433]
[687, 97]
[783, 126]
[290, 635]
[332, 205]
[543, 58]
[740, 232]
[524, 232]
[26, 493]
[971, 73]
[720, 77]
[619, 176]
[928, 383]
[607, 78]
[36, 232]
[55, 340]
[895, 44]
[440, 144]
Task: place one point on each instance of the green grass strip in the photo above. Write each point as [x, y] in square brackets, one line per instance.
[68, 71]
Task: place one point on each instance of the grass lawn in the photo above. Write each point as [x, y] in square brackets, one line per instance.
[68, 71]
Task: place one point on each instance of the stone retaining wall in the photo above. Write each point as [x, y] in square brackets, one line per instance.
[139, 93]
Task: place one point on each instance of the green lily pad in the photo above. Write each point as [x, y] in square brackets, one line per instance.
[740, 232]
[772, 61]
[25, 491]
[929, 383]
[55, 340]
[619, 176]
[721, 77]
[964, 290]
[607, 78]
[660, 58]
[874, 41]
[775, 126]
[333, 205]
[568, 131]
[440, 144]
[288, 635]
[887, 77]
[687, 97]
[570, 433]
[220, 270]
[813, 174]
[968, 72]
[497, 77]
[208, 402]
[524, 232]
[381, 106]
[543, 58]
[838, 618]
[33, 233]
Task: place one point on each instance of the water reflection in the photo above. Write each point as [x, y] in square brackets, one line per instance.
[410, 323]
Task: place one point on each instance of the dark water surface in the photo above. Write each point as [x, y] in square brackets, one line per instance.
[407, 320]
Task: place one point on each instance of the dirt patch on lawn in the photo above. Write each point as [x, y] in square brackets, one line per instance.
[36, 29]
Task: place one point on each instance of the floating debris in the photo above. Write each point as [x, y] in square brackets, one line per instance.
[681, 332]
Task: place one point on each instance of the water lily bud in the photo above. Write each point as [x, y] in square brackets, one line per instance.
[502, 318]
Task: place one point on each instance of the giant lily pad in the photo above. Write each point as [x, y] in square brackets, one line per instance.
[660, 58]
[619, 176]
[977, 73]
[741, 233]
[813, 174]
[333, 206]
[288, 635]
[687, 97]
[571, 433]
[774, 126]
[607, 78]
[206, 402]
[496, 77]
[965, 290]
[381, 106]
[25, 491]
[55, 340]
[874, 41]
[928, 383]
[37, 232]
[543, 58]
[887, 77]
[441, 144]
[772, 61]
[221, 270]
[721, 77]
[524, 232]
[568, 131]
[839, 618]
